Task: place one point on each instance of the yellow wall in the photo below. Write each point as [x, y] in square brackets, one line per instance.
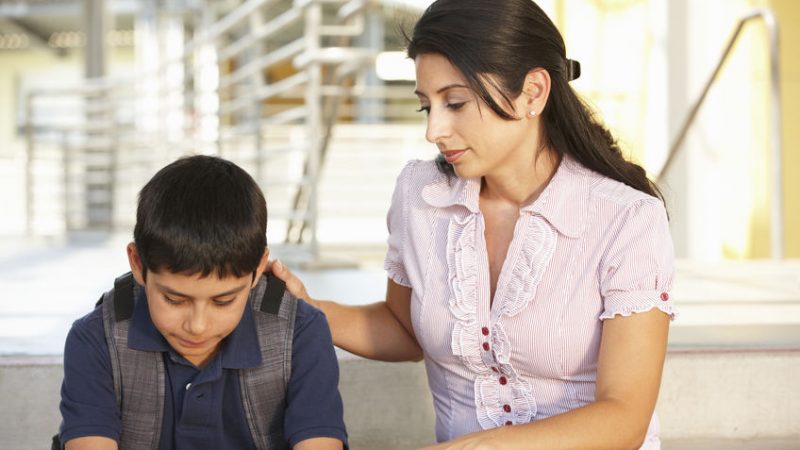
[788, 14]
[13, 66]
[734, 126]
[43, 69]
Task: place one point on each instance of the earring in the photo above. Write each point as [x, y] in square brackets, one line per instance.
[532, 113]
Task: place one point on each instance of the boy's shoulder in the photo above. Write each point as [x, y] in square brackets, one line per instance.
[308, 319]
[90, 325]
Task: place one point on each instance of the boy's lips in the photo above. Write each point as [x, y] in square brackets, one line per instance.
[452, 155]
[192, 344]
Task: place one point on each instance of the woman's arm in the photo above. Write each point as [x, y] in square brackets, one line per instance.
[631, 359]
[91, 443]
[319, 444]
[379, 330]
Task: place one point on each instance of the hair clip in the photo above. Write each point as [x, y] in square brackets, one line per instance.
[573, 69]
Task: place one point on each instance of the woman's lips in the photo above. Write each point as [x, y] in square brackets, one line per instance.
[452, 155]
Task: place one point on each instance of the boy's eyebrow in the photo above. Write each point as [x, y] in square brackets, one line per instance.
[170, 291]
[440, 90]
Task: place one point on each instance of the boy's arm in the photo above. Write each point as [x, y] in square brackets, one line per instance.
[99, 443]
[314, 413]
[88, 403]
[319, 444]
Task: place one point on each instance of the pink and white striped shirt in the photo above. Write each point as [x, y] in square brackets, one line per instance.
[588, 249]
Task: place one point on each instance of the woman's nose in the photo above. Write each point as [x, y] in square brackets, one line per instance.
[438, 127]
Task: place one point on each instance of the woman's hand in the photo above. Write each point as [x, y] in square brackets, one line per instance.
[293, 284]
[473, 441]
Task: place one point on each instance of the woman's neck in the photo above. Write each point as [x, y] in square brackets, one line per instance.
[520, 184]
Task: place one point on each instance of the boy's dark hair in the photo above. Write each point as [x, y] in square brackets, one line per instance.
[201, 214]
[507, 38]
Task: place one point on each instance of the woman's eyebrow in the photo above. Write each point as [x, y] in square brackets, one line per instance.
[442, 89]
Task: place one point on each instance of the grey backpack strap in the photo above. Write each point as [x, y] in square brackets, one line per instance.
[263, 389]
[138, 376]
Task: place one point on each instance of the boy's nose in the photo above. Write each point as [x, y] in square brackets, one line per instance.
[197, 322]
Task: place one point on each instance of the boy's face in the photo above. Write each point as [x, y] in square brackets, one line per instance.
[195, 313]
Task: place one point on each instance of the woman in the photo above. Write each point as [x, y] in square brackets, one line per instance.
[530, 264]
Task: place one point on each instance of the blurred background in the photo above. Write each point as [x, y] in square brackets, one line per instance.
[315, 99]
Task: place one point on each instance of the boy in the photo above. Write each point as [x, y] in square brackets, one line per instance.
[195, 349]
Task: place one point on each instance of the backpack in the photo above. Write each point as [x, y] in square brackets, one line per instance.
[139, 377]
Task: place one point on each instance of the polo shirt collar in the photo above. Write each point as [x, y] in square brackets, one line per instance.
[240, 349]
[563, 203]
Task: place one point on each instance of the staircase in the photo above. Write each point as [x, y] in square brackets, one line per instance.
[265, 83]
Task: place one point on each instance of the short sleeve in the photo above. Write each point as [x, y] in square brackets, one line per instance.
[638, 267]
[88, 403]
[396, 222]
[314, 406]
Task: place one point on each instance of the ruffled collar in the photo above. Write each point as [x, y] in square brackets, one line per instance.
[563, 202]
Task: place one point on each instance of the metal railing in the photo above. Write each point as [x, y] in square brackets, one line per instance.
[260, 85]
[768, 17]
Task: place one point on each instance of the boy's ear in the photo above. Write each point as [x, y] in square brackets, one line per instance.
[262, 265]
[136, 263]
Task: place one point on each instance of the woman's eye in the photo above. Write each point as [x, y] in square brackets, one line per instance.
[456, 106]
[425, 109]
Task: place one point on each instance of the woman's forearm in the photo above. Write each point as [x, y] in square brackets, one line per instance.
[371, 331]
[379, 331]
[607, 424]
[632, 352]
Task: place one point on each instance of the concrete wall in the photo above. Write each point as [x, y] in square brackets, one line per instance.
[709, 395]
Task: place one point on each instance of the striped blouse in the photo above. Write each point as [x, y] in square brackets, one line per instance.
[588, 249]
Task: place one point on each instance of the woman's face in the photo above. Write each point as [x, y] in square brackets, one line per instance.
[470, 135]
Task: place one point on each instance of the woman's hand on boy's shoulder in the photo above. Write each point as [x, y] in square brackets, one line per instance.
[293, 284]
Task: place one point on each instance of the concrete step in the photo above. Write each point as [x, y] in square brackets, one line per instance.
[709, 400]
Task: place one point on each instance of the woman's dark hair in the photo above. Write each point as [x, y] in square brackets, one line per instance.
[201, 214]
[506, 39]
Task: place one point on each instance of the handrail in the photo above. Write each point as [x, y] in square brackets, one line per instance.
[777, 154]
[161, 108]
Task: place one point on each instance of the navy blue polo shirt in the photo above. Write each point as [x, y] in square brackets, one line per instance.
[203, 407]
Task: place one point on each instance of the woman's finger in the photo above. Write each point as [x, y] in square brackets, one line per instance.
[293, 284]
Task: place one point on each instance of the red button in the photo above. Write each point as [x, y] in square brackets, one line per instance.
[503, 380]
[509, 423]
[664, 296]
[486, 346]
[507, 408]
[485, 331]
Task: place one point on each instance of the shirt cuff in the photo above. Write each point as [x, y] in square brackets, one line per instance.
[631, 302]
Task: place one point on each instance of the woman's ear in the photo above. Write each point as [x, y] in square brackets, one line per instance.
[135, 263]
[535, 91]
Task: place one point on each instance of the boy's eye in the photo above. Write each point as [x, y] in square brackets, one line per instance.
[223, 302]
[173, 301]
